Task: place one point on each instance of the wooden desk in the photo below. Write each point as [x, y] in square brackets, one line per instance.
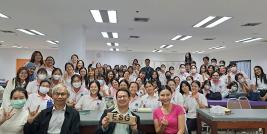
[89, 122]
[238, 119]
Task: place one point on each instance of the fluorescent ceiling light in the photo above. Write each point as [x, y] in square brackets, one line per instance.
[162, 46]
[217, 47]
[204, 21]
[112, 15]
[186, 37]
[97, 16]
[104, 16]
[52, 42]
[252, 40]
[156, 50]
[26, 31]
[37, 32]
[218, 22]
[113, 44]
[2, 41]
[115, 35]
[104, 34]
[114, 49]
[212, 21]
[176, 37]
[200, 52]
[247, 40]
[3, 16]
[166, 46]
[243, 40]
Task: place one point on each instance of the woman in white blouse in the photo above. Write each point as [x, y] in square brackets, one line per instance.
[92, 101]
[135, 100]
[150, 100]
[12, 119]
[260, 81]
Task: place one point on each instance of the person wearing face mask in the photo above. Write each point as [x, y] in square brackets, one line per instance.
[33, 86]
[172, 70]
[195, 74]
[233, 72]
[183, 74]
[168, 75]
[92, 101]
[217, 85]
[13, 119]
[56, 77]
[76, 91]
[40, 100]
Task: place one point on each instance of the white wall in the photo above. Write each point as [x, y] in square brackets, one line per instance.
[8, 58]
[256, 53]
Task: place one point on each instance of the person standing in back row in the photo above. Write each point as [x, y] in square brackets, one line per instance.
[148, 70]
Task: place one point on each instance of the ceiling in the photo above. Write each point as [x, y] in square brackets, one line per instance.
[167, 18]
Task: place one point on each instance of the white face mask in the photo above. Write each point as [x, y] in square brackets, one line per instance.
[43, 90]
[41, 76]
[76, 84]
[101, 82]
[56, 77]
[193, 71]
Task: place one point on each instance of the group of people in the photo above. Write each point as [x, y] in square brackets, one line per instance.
[42, 98]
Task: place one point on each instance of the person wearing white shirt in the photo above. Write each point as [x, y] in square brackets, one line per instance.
[260, 82]
[76, 91]
[150, 100]
[135, 100]
[40, 99]
[93, 101]
[162, 77]
[12, 119]
[196, 100]
[69, 72]
[33, 86]
[59, 119]
[177, 83]
[21, 80]
[56, 77]
[195, 74]
[217, 85]
[183, 74]
[177, 97]
[233, 72]
[185, 90]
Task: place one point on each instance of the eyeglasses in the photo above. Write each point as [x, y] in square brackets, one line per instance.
[123, 96]
[58, 94]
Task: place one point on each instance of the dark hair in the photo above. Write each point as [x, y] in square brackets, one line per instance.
[213, 70]
[205, 83]
[206, 57]
[222, 61]
[169, 80]
[17, 79]
[197, 82]
[33, 57]
[57, 69]
[134, 83]
[147, 59]
[231, 84]
[68, 63]
[98, 86]
[181, 65]
[262, 75]
[45, 80]
[85, 78]
[237, 75]
[74, 55]
[202, 67]
[75, 76]
[51, 58]
[213, 60]
[42, 70]
[124, 90]
[171, 67]
[19, 89]
[165, 88]
[149, 82]
[189, 58]
[77, 64]
[127, 83]
[181, 85]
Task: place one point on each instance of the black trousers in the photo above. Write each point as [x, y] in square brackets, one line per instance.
[191, 124]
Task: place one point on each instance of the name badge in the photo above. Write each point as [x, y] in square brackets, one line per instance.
[119, 118]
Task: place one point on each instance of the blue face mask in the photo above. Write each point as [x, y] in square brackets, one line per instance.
[18, 104]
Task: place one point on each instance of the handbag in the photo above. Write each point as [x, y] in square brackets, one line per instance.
[214, 96]
[254, 96]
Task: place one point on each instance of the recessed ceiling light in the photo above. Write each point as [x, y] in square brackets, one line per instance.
[113, 44]
[110, 34]
[53, 42]
[211, 21]
[104, 16]
[31, 32]
[114, 49]
[217, 47]
[37, 32]
[246, 40]
[3, 16]
[166, 46]
[181, 37]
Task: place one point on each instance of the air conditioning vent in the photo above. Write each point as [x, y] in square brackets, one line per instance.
[134, 36]
[141, 19]
[7, 31]
[251, 24]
